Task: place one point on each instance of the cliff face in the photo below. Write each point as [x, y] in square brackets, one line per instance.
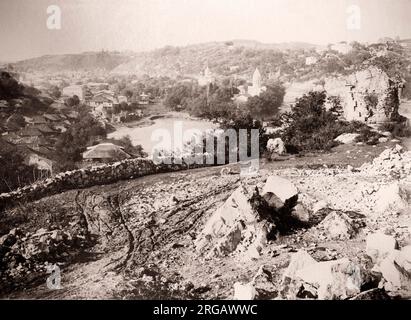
[371, 97]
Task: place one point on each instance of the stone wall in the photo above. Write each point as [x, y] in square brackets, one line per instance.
[88, 177]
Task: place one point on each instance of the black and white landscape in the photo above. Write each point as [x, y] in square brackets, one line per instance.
[235, 150]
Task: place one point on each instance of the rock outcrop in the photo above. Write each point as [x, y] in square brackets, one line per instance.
[372, 97]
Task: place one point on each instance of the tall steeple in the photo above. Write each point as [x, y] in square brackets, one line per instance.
[256, 79]
[207, 72]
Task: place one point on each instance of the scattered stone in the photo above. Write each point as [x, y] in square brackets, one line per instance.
[392, 161]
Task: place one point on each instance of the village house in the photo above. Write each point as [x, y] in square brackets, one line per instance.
[105, 152]
[103, 104]
[52, 118]
[29, 131]
[37, 120]
[144, 98]
[45, 129]
[74, 90]
[122, 98]
[95, 87]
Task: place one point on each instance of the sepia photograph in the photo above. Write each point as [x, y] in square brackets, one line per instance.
[205, 150]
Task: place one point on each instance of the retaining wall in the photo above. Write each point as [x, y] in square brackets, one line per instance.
[88, 177]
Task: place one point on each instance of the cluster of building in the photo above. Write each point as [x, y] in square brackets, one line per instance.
[35, 140]
[102, 100]
[248, 89]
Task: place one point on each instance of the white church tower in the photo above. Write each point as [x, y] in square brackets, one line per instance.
[256, 88]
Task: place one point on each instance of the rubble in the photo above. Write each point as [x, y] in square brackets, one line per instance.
[22, 252]
[393, 161]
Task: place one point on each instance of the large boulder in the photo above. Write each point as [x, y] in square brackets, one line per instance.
[379, 246]
[340, 225]
[223, 229]
[403, 259]
[337, 279]
[282, 188]
[396, 279]
[233, 223]
[298, 261]
[307, 278]
[392, 197]
[276, 146]
[244, 291]
[347, 138]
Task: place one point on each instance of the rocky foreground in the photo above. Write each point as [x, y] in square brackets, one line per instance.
[325, 233]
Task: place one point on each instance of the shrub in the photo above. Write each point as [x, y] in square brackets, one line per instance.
[309, 125]
[397, 129]
[368, 136]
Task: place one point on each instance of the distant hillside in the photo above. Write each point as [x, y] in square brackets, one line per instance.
[224, 58]
[88, 61]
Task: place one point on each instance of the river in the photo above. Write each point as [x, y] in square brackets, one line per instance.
[162, 130]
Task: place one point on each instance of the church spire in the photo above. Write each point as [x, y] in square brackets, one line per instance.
[257, 79]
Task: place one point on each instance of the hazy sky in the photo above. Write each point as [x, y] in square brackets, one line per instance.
[89, 25]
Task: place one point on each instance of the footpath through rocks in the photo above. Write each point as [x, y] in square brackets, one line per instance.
[327, 233]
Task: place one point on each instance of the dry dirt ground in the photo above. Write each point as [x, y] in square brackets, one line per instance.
[140, 233]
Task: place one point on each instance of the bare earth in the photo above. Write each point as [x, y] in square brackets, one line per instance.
[145, 229]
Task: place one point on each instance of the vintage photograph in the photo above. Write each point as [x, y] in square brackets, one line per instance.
[205, 150]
